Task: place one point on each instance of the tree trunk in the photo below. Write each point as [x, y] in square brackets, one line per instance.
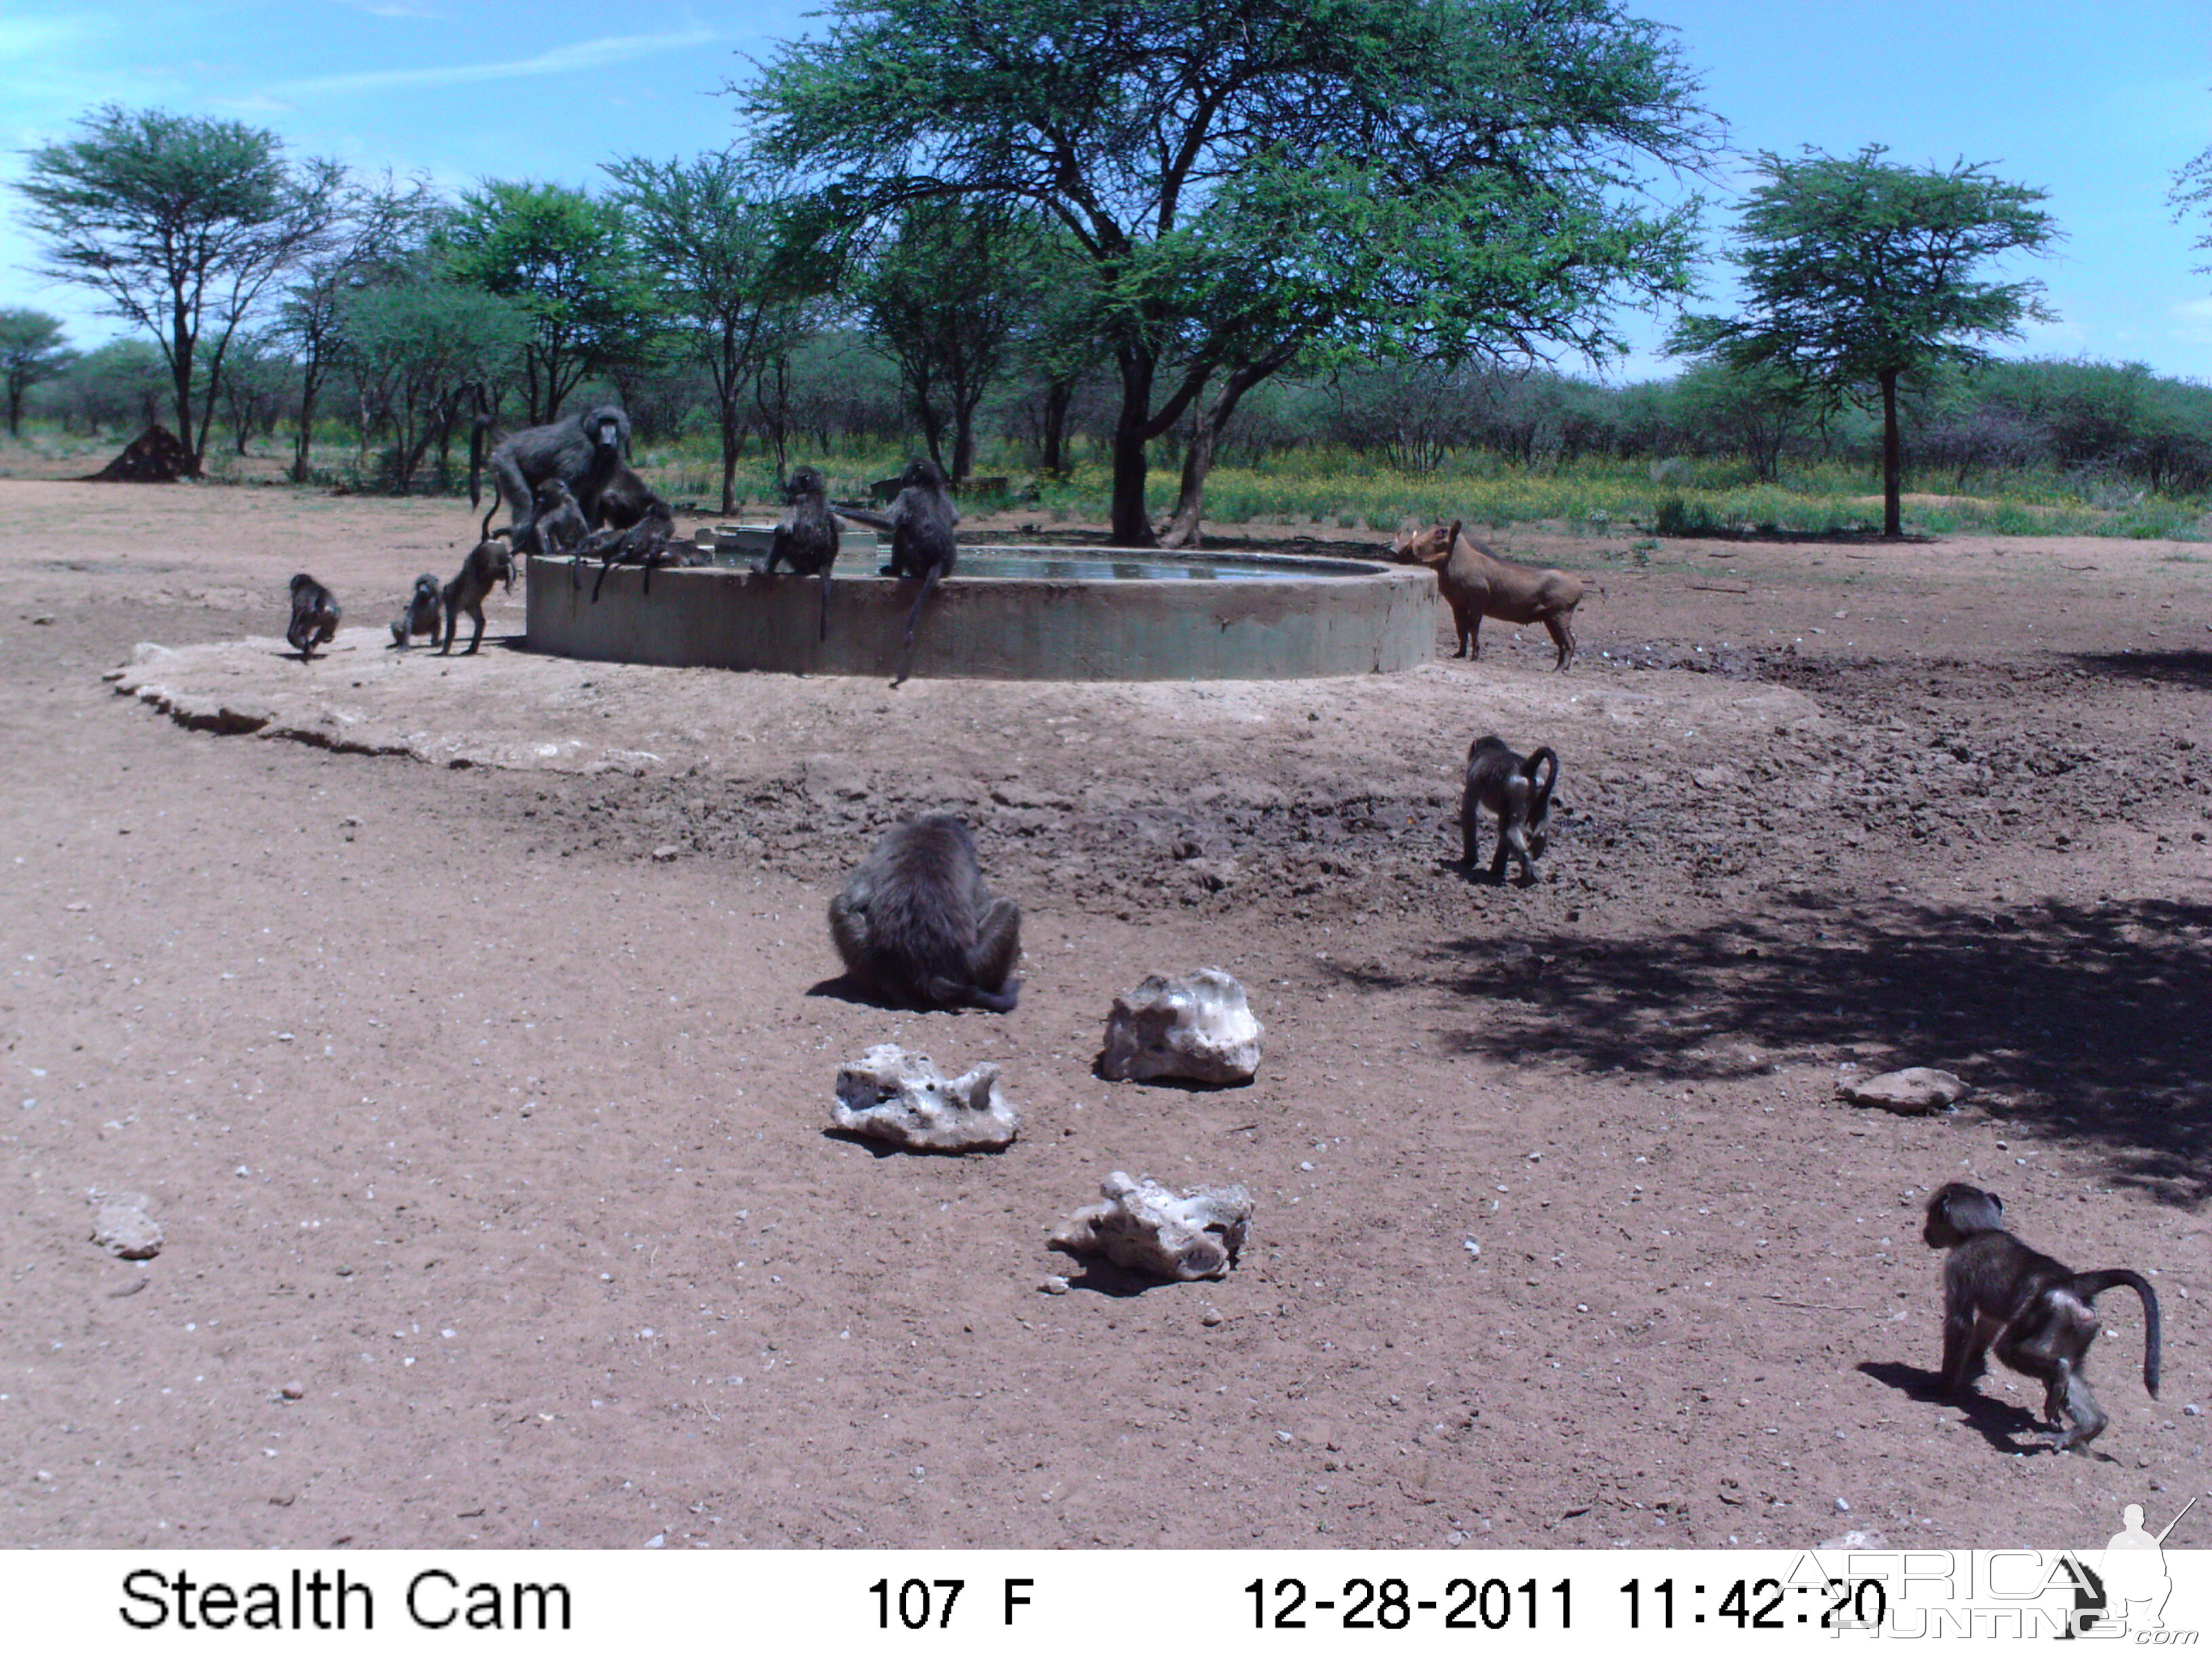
[729, 424]
[1130, 525]
[1893, 524]
[963, 444]
[1059, 398]
[1182, 529]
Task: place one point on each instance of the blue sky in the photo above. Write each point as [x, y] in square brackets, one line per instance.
[2095, 104]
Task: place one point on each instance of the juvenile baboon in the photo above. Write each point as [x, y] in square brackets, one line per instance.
[584, 451]
[314, 616]
[627, 499]
[421, 615]
[920, 523]
[645, 542]
[1518, 791]
[806, 537]
[916, 925]
[2035, 1311]
[555, 528]
[488, 564]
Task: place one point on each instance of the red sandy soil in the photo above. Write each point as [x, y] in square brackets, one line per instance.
[475, 1052]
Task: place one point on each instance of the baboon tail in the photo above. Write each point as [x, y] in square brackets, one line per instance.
[1544, 761]
[2089, 1287]
[476, 466]
[825, 602]
[906, 658]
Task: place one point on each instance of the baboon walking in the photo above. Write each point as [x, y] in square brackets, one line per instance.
[1518, 791]
[488, 564]
[2033, 1311]
[314, 617]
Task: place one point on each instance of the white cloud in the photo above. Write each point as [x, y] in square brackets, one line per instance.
[561, 60]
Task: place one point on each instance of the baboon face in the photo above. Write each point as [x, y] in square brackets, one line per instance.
[1957, 1212]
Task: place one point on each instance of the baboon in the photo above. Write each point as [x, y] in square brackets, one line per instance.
[489, 563]
[806, 537]
[1476, 583]
[557, 527]
[916, 925]
[421, 615]
[645, 542]
[314, 616]
[583, 450]
[1518, 792]
[2036, 1312]
[920, 523]
[627, 499]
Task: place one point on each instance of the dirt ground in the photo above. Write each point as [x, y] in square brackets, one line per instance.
[475, 1053]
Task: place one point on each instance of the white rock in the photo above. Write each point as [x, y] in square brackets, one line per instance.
[1198, 1027]
[1144, 1226]
[891, 1095]
[1915, 1089]
[123, 1228]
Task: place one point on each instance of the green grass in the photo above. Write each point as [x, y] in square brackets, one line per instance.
[1333, 490]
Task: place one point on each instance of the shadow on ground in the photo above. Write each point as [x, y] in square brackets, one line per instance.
[2191, 669]
[2087, 1020]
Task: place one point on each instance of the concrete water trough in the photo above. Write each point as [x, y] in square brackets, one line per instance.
[1006, 613]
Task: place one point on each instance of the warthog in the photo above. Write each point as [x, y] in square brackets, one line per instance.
[1476, 583]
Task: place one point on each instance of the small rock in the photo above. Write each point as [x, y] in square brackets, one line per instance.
[659, 1541]
[664, 854]
[1052, 1285]
[1855, 1540]
[1211, 1316]
[123, 1228]
[294, 1391]
[1198, 1028]
[1144, 1226]
[1911, 1092]
[891, 1095]
[1473, 1250]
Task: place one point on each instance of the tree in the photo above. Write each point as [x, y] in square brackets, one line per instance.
[377, 228]
[945, 300]
[1257, 183]
[180, 223]
[256, 378]
[1861, 273]
[30, 351]
[419, 347]
[735, 265]
[569, 262]
[2192, 193]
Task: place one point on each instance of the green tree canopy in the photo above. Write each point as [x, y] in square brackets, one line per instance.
[30, 351]
[1860, 273]
[569, 262]
[944, 299]
[179, 224]
[1256, 182]
[735, 263]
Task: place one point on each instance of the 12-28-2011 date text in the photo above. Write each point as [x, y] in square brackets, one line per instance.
[1392, 1604]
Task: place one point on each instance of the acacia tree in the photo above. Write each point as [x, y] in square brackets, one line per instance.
[736, 264]
[1861, 273]
[945, 300]
[569, 262]
[179, 224]
[1255, 183]
[419, 347]
[2192, 193]
[30, 351]
[377, 227]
